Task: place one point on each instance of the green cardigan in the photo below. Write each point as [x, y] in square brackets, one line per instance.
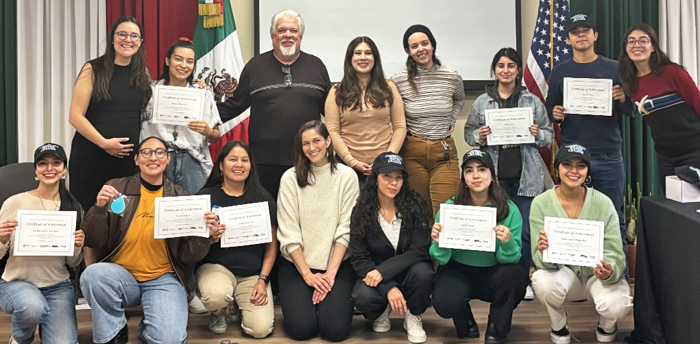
[596, 207]
[506, 252]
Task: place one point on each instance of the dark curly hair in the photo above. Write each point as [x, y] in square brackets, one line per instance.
[411, 208]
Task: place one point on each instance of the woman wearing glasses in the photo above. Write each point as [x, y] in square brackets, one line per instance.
[105, 111]
[666, 96]
[190, 161]
[315, 201]
[35, 290]
[432, 96]
[366, 108]
[136, 269]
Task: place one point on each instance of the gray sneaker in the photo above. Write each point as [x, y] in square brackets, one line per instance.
[217, 321]
[382, 324]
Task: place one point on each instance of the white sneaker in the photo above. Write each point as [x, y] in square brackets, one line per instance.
[414, 327]
[13, 341]
[217, 321]
[605, 337]
[196, 306]
[382, 324]
[529, 293]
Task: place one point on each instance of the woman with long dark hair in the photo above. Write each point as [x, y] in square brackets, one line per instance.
[389, 240]
[135, 268]
[433, 96]
[237, 277]
[366, 108]
[518, 167]
[489, 276]
[108, 96]
[604, 284]
[35, 290]
[315, 198]
[667, 97]
[190, 161]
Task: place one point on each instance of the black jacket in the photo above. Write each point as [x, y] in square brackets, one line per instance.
[375, 251]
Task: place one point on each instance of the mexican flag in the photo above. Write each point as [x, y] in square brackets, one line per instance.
[219, 50]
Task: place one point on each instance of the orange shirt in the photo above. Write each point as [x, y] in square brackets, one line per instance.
[142, 255]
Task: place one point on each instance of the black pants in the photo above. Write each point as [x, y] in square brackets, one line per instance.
[270, 176]
[303, 319]
[415, 284]
[667, 164]
[456, 284]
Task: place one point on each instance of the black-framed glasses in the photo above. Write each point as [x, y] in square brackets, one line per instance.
[642, 41]
[147, 152]
[135, 37]
[287, 77]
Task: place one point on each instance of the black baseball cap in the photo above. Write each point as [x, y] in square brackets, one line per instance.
[573, 150]
[387, 162]
[50, 148]
[579, 20]
[688, 174]
[479, 155]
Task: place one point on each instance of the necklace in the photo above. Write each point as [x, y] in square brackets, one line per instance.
[55, 202]
[566, 207]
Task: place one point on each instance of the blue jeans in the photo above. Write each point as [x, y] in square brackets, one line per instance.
[523, 203]
[51, 307]
[109, 288]
[608, 176]
[186, 171]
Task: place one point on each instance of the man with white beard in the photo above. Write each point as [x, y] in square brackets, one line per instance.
[284, 89]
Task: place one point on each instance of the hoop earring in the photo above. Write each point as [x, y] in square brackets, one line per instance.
[36, 178]
[64, 176]
[588, 180]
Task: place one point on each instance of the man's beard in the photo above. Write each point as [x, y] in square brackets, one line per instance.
[288, 51]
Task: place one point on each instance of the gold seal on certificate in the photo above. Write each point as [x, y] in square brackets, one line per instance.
[247, 224]
[45, 233]
[177, 105]
[466, 227]
[573, 242]
[181, 216]
[584, 96]
[509, 126]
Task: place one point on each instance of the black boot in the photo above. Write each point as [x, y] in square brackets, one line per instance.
[466, 327]
[122, 337]
[493, 336]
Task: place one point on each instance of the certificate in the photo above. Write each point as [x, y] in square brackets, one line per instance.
[588, 96]
[467, 227]
[181, 216]
[45, 233]
[247, 224]
[509, 126]
[177, 105]
[573, 242]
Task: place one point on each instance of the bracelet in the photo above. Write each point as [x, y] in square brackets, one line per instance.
[265, 278]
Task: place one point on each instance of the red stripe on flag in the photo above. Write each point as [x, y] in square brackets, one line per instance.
[237, 133]
[531, 84]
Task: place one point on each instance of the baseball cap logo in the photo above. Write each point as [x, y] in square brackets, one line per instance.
[576, 149]
[578, 17]
[475, 152]
[48, 147]
[393, 159]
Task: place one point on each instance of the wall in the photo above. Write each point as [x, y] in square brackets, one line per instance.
[244, 13]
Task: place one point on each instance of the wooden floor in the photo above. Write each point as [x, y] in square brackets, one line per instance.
[530, 326]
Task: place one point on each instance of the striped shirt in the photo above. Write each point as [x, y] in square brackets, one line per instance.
[432, 107]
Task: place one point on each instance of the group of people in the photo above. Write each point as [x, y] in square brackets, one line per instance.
[350, 230]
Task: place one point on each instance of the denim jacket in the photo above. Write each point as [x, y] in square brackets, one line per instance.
[532, 176]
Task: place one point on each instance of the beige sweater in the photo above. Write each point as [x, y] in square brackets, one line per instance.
[362, 134]
[315, 217]
[39, 271]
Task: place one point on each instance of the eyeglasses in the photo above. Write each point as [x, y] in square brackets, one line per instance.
[642, 41]
[147, 152]
[135, 37]
[288, 77]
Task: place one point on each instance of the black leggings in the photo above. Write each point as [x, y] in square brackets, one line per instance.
[303, 319]
[501, 285]
[415, 284]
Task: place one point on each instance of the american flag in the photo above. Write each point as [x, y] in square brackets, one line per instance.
[548, 49]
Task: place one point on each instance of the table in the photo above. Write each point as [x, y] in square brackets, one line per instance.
[667, 281]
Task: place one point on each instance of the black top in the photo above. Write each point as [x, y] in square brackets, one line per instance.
[243, 260]
[510, 161]
[277, 111]
[120, 116]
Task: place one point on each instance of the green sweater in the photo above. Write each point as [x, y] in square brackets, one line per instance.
[506, 252]
[596, 207]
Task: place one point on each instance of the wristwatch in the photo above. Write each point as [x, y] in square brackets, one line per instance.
[265, 278]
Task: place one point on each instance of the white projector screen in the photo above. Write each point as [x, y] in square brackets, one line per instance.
[468, 32]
